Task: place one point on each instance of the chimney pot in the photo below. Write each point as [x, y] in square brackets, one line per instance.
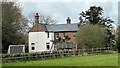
[37, 18]
[68, 20]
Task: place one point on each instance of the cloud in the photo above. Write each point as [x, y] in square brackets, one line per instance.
[68, 0]
[63, 8]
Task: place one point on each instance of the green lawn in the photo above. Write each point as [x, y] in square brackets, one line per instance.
[93, 60]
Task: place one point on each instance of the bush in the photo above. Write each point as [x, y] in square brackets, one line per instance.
[92, 36]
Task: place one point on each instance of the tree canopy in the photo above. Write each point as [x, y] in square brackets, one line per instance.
[94, 15]
[12, 25]
[43, 19]
[91, 35]
[118, 39]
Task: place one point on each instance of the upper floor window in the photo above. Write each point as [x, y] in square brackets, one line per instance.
[32, 43]
[48, 35]
[64, 34]
[56, 35]
[73, 34]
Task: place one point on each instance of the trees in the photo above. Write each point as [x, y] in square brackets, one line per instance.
[118, 39]
[11, 25]
[43, 19]
[94, 16]
[48, 20]
[91, 35]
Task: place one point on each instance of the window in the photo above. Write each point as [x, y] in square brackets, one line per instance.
[48, 46]
[73, 34]
[48, 35]
[57, 35]
[32, 43]
[47, 43]
[33, 48]
[64, 34]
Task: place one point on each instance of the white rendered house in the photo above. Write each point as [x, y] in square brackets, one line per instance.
[39, 41]
[41, 36]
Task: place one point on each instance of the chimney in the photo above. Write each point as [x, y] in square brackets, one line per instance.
[37, 18]
[68, 20]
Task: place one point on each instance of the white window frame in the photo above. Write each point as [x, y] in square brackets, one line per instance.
[48, 44]
[32, 44]
[32, 49]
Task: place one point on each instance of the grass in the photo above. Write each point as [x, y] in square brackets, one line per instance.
[93, 60]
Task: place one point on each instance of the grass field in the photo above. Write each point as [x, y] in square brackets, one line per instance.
[93, 60]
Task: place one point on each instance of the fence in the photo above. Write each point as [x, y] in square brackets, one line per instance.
[53, 54]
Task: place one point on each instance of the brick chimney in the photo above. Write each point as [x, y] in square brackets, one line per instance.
[68, 20]
[36, 18]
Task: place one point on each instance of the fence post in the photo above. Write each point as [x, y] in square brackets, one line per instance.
[57, 53]
[92, 51]
[100, 50]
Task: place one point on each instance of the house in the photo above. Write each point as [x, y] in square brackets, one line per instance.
[41, 36]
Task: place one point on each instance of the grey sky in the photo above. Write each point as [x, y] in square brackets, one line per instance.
[62, 9]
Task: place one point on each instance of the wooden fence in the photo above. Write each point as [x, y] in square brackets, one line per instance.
[53, 54]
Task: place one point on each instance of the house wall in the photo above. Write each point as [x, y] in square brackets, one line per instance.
[69, 34]
[72, 36]
[40, 39]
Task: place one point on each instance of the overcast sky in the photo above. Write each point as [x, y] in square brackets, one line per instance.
[60, 10]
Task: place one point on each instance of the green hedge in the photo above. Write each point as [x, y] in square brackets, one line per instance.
[54, 52]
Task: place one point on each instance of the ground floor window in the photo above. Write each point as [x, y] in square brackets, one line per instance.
[33, 48]
[48, 46]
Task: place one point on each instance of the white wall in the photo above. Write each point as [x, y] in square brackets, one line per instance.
[40, 39]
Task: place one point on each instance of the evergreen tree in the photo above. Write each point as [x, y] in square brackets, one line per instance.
[94, 16]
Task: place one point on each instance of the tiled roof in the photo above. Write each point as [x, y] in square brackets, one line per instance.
[44, 26]
[62, 27]
[37, 28]
[55, 27]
